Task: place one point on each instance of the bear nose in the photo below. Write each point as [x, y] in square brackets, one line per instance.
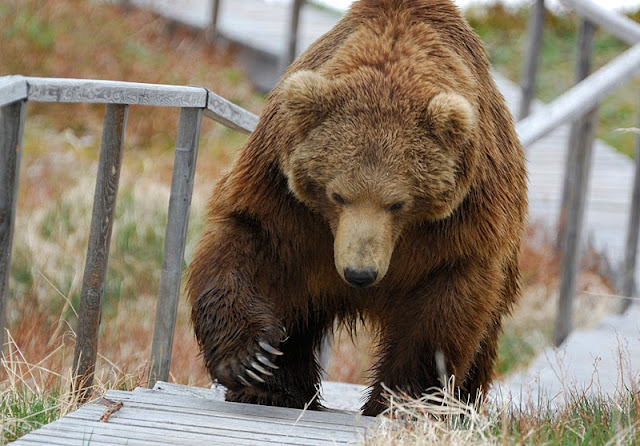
[360, 278]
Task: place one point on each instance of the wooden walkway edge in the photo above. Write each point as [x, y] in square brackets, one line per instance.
[171, 414]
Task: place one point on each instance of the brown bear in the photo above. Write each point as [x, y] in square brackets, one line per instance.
[384, 182]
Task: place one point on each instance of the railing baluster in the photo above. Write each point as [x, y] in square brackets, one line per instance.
[11, 131]
[628, 288]
[532, 58]
[577, 171]
[212, 32]
[184, 168]
[292, 44]
[104, 203]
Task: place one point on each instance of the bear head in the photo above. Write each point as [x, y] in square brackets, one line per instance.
[374, 154]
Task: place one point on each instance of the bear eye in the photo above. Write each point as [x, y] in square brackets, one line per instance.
[396, 206]
[338, 199]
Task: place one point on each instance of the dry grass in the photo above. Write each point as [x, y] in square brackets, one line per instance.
[440, 419]
[57, 181]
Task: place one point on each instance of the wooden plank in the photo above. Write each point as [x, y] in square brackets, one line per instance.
[71, 437]
[613, 22]
[113, 92]
[184, 170]
[535, 30]
[578, 167]
[580, 99]
[12, 89]
[166, 419]
[275, 414]
[229, 114]
[11, 131]
[104, 203]
[158, 434]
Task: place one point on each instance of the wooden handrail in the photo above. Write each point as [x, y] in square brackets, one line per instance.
[194, 102]
[577, 101]
[617, 24]
[38, 89]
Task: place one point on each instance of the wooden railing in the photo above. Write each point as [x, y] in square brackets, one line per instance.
[194, 102]
[579, 106]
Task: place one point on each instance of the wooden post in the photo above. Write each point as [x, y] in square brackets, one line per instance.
[628, 287]
[104, 203]
[212, 33]
[293, 31]
[575, 190]
[11, 131]
[535, 29]
[184, 168]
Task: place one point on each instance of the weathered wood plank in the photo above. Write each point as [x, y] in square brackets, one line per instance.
[158, 432]
[184, 170]
[578, 167]
[12, 89]
[229, 114]
[134, 415]
[11, 131]
[613, 22]
[104, 202]
[535, 29]
[114, 92]
[282, 414]
[54, 435]
[581, 98]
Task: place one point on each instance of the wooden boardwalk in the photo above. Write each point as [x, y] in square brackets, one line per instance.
[172, 414]
[180, 415]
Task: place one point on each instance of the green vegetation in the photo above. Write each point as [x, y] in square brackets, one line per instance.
[440, 420]
[57, 179]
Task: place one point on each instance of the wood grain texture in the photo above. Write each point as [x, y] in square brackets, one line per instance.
[163, 418]
[229, 114]
[104, 202]
[12, 88]
[184, 168]
[580, 99]
[12, 118]
[114, 92]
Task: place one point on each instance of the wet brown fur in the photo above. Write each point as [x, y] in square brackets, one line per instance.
[360, 119]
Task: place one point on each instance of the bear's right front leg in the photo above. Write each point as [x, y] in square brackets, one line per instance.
[238, 288]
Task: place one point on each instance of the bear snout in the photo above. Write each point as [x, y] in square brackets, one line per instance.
[360, 278]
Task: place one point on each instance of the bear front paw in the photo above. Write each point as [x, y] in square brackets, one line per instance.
[250, 369]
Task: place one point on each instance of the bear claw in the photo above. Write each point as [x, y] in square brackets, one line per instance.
[260, 369]
[253, 375]
[269, 349]
[264, 360]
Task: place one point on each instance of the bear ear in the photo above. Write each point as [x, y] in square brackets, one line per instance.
[307, 100]
[450, 115]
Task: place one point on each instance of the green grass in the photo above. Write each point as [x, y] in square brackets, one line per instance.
[23, 411]
[588, 421]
